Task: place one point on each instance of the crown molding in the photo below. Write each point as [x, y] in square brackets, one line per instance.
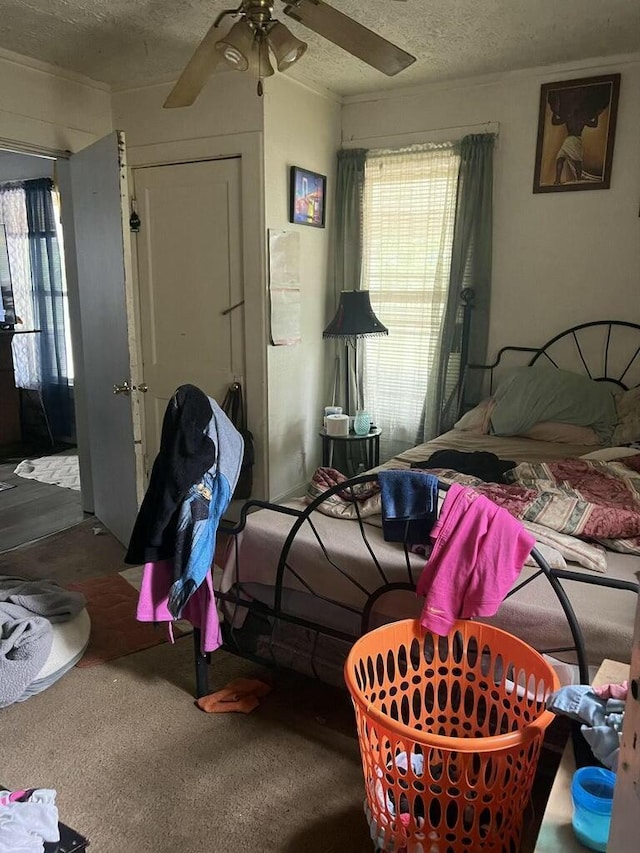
[578, 66]
[51, 70]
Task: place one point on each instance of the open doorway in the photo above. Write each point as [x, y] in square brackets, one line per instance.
[39, 481]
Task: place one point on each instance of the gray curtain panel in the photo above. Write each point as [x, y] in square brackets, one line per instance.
[46, 276]
[347, 248]
[348, 220]
[470, 271]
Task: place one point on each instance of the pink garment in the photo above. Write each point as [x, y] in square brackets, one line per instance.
[479, 550]
[613, 691]
[7, 797]
[200, 609]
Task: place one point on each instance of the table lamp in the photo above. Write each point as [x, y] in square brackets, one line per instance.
[354, 319]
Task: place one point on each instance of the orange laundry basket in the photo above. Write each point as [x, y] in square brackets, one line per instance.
[450, 730]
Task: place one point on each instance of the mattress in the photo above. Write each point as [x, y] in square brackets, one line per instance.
[330, 585]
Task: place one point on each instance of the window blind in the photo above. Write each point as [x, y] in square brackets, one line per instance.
[408, 217]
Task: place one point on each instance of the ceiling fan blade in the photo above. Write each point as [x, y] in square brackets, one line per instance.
[197, 71]
[350, 35]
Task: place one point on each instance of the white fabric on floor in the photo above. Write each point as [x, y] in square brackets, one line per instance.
[59, 470]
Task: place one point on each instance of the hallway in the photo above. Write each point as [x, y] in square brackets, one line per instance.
[31, 510]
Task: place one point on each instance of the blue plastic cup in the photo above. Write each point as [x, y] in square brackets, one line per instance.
[592, 795]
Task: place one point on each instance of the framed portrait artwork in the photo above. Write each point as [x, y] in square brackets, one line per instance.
[576, 132]
[307, 197]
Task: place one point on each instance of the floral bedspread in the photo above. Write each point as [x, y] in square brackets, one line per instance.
[579, 497]
[586, 499]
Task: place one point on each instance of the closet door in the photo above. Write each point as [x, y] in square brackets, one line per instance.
[95, 206]
[190, 283]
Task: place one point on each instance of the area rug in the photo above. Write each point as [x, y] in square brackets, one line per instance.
[4, 486]
[59, 470]
[111, 602]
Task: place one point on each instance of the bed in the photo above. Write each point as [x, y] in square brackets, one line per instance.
[301, 581]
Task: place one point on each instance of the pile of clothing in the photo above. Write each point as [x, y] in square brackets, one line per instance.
[476, 549]
[28, 821]
[27, 611]
[600, 712]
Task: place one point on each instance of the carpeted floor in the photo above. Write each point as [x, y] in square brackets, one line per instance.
[138, 767]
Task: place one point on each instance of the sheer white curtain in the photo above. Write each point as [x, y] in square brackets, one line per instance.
[55, 197]
[408, 217]
[13, 213]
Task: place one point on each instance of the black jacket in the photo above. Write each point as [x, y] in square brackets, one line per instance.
[186, 452]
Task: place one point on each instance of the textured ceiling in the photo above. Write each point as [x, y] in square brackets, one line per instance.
[124, 42]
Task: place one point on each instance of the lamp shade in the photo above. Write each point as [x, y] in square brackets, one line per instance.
[286, 48]
[354, 317]
[236, 47]
[259, 63]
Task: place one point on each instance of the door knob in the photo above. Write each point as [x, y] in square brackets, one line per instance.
[125, 388]
[143, 387]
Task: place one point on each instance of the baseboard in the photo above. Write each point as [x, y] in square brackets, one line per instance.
[296, 492]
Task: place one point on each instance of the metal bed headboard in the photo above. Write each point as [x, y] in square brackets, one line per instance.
[603, 350]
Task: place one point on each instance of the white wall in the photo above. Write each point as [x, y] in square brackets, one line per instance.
[49, 110]
[227, 105]
[24, 167]
[302, 128]
[559, 258]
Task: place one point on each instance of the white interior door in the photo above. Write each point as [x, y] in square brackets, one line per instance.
[94, 197]
[189, 261]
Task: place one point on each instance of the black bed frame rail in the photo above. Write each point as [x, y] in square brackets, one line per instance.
[235, 599]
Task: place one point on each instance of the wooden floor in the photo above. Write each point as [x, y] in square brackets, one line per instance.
[32, 510]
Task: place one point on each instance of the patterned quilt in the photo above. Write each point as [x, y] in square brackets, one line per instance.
[586, 499]
[578, 497]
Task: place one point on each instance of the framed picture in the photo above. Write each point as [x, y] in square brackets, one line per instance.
[576, 131]
[307, 195]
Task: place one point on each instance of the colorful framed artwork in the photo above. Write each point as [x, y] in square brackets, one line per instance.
[307, 197]
[576, 132]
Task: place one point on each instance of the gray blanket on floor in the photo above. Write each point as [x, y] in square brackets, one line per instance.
[27, 609]
[42, 597]
[25, 643]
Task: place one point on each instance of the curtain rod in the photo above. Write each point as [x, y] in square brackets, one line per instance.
[8, 146]
[489, 126]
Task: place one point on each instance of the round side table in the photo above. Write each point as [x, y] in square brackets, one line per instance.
[372, 445]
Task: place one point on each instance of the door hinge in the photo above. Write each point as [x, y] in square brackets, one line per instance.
[134, 219]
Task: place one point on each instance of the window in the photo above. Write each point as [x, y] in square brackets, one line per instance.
[409, 205]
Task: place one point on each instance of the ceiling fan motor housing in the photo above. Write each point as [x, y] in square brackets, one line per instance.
[258, 12]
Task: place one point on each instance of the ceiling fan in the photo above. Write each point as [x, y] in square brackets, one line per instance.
[247, 44]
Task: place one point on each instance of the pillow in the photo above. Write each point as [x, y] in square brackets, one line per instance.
[628, 410]
[563, 433]
[609, 454]
[530, 395]
[477, 419]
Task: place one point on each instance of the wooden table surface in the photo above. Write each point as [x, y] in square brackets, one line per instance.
[556, 833]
